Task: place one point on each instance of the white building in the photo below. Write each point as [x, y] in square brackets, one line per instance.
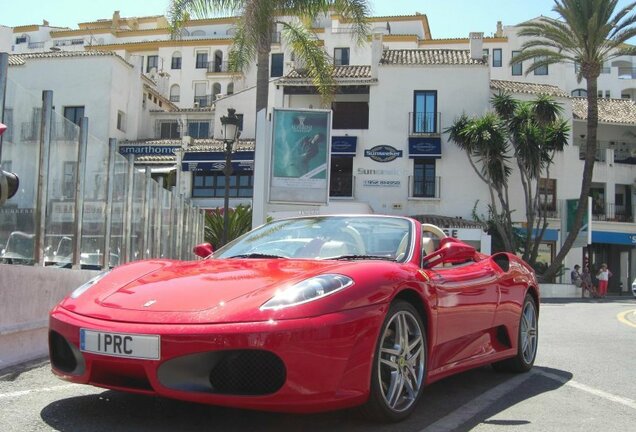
[398, 93]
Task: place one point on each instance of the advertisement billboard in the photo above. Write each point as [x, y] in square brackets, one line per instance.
[300, 156]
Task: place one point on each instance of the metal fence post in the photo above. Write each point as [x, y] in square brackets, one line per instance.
[145, 251]
[172, 230]
[4, 72]
[43, 176]
[79, 193]
[158, 219]
[108, 206]
[179, 225]
[128, 210]
[186, 229]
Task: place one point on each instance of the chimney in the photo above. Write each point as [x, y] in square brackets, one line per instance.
[476, 45]
[115, 21]
[376, 53]
[499, 32]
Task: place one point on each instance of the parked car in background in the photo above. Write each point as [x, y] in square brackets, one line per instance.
[634, 287]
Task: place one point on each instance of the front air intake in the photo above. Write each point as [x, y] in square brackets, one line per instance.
[248, 372]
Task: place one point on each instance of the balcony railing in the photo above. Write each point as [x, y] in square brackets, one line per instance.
[424, 123]
[218, 67]
[203, 101]
[626, 73]
[175, 98]
[424, 188]
[610, 212]
[36, 45]
[30, 131]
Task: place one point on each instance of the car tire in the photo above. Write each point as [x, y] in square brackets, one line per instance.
[396, 366]
[527, 340]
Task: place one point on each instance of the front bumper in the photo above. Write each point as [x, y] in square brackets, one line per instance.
[314, 364]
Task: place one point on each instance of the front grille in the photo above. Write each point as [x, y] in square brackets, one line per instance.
[248, 372]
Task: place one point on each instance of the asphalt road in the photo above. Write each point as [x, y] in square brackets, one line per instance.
[584, 380]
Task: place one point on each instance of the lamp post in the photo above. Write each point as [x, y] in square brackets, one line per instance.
[231, 133]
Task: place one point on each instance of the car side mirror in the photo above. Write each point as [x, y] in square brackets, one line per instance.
[203, 250]
[450, 251]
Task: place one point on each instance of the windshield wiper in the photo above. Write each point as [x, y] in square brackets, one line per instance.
[256, 255]
[361, 257]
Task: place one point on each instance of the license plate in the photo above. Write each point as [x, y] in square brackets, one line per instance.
[120, 344]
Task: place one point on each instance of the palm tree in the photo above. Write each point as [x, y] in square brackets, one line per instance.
[256, 23]
[589, 33]
[537, 133]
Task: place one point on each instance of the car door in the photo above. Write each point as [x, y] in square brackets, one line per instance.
[467, 297]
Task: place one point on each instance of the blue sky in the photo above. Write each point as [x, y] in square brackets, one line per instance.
[448, 18]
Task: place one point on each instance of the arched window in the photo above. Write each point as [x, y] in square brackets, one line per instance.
[198, 33]
[218, 61]
[176, 60]
[216, 89]
[579, 93]
[175, 93]
[230, 88]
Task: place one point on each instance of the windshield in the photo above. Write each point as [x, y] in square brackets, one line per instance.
[325, 237]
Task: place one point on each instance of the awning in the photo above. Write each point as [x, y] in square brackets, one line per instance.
[344, 145]
[215, 161]
[425, 147]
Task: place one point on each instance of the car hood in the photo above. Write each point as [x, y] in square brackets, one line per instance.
[204, 291]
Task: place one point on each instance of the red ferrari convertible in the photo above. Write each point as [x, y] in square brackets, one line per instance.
[302, 315]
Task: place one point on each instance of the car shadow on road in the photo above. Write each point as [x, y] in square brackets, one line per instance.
[110, 410]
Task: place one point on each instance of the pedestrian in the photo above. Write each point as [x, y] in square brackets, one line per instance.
[603, 276]
[575, 276]
[586, 283]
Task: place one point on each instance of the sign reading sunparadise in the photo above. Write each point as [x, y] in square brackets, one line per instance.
[383, 153]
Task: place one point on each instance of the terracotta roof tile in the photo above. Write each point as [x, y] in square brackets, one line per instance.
[352, 71]
[19, 59]
[528, 88]
[609, 110]
[429, 57]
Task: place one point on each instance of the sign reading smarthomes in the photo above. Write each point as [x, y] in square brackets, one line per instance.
[300, 156]
[383, 153]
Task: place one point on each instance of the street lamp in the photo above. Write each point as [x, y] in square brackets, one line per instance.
[231, 133]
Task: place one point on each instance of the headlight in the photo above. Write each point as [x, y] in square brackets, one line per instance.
[308, 290]
[79, 291]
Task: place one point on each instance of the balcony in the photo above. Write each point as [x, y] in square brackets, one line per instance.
[215, 67]
[626, 73]
[36, 45]
[424, 124]
[203, 101]
[424, 188]
[610, 212]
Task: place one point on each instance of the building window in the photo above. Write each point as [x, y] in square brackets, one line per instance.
[68, 179]
[496, 57]
[230, 89]
[216, 90]
[218, 62]
[341, 179]
[517, 68]
[599, 93]
[424, 178]
[169, 130]
[211, 184]
[425, 111]
[152, 62]
[121, 121]
[579, 93]
[74, 114]
[200, 99]
[341, 56]
[548, 194]
[608, 94]
[176, 61]
[541, 70]
[21, 39]
[350, 115]
[202, 60]
[486, 52]
[199, 129]
[175, 93]
[277, 65]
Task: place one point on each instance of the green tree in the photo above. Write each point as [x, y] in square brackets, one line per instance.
[528, 133]
[588, 33]
[256, 24]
